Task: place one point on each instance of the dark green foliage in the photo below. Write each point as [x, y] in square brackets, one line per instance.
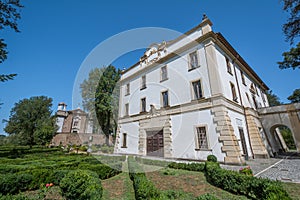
[295, 97]
[288, 137]
[273, 99]
[143, 188]
[291, 30]
[254, 188]
[207, 197]
[103, 171]
[9, 15]
[13, 183]
[81, 185]
[212, 158]
[188, 166]
[31, 120]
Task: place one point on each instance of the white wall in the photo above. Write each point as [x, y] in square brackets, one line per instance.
[132, 130]
[184, 135]
[178, 83]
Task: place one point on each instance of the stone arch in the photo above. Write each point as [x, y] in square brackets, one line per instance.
[280, 141]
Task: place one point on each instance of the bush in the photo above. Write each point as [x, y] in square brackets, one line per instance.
[212, 158]
[199, 167]
[103, 171]
[143, 188]
[207, 197]
[83, 148]
[246, 171]
[13, 183]
[234, 182]
[81, 185]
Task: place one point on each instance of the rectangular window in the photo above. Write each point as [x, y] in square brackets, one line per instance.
[197, 91]
[143, 105]
[164, 73]
[193, 60]
[124, 143]
[262, 96]
[229, 70]
[143, 84]
[127, 89]
[233, 91]
[243, 78]
[126, 109]
[165, 98]
[201, 138]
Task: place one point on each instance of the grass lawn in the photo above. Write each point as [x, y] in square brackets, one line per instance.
[293, 189]
[188, 182]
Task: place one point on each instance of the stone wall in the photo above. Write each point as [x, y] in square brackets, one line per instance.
[79, 139]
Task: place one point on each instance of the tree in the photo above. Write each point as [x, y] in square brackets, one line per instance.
[9, 15]
[106, 98]
[273, 99]
[295, 97]
[88, 89]
[291, 59]
[31, 121]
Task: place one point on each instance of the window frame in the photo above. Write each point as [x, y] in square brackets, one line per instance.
[126, 110]
[228, 65]
[162, 78]
[193, 91]
[190, 66]
[143, 82]
[198, 139]
[124, 141]
[233, 92]
[127, 89]
[162, 99]
[143, 108]
[243, 78]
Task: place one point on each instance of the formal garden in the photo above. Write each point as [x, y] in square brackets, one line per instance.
[50, 173]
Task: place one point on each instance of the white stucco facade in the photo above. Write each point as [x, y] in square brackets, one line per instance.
[194, 96]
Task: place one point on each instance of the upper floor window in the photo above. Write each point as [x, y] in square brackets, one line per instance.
[164, 73]
[243, 78]
[233, 91]
[201, 138]
[126, 109]
[165, 98]
[228, 64]
[143, 105]
[193, 60]
[127, 88]
[143, 83]
[262, 96]
[197, 91]
[252, 89]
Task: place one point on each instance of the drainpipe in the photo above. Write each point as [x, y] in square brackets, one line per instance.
[239, 91]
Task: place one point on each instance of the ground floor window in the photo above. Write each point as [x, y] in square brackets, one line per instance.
[201, 138]
[124, 144]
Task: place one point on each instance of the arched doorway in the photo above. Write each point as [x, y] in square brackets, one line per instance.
[284, 139]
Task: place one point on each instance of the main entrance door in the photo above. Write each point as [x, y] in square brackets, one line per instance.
[155, 143]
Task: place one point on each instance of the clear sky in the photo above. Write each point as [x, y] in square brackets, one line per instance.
[57, 35]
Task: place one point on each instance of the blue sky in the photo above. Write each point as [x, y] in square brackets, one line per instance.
[57, 35]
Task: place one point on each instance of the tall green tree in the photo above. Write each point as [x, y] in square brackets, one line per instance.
[295, 97]
[106, 98]
[31, 121]
[291, 29]
[273, 98]
[9, 15]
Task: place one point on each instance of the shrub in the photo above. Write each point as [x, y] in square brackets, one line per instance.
[212, 158]
[143, 188]
[199, 167]
[246, 170]
[81, 185]
[83, 148]
[234, 182]
[13, 183]
[207, 197]
[103, 171]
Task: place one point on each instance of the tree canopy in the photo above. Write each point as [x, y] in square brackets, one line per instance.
[295, 97]
[9, 15]
[31, 121]
[291, 29]
[106, 100]
[273, 98]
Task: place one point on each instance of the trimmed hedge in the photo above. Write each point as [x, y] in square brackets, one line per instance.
[199, 167]
[143, 188]
[81, 185]
[103, 171]
[252, 187]
[13, 183]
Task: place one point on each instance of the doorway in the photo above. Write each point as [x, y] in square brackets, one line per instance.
[155, 143]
